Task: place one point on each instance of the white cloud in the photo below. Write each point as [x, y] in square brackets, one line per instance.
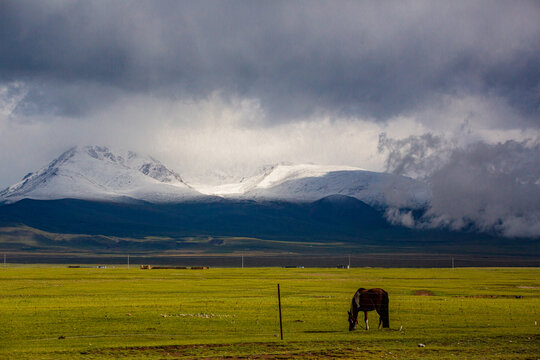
[192, 136]
[484, 187]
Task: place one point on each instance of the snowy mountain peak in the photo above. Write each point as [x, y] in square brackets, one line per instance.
[285, 171]
[310, 182]
[145, 164]
[97, 172]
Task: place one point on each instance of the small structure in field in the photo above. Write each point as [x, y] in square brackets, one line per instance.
[150, 267]
[87, 267]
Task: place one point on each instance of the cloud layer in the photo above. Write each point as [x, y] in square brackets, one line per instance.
[214, 86]
[482, 187]
[489, 187]
[375, 60]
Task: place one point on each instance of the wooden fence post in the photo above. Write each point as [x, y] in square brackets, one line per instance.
[280, 320]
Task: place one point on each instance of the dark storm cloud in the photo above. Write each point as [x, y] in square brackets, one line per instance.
[370, 59]
[486, 187]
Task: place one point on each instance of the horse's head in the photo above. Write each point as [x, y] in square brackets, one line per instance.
[352, 321]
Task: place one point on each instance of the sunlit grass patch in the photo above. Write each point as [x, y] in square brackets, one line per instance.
[55, 313]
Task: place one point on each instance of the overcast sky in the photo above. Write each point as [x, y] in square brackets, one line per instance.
[400, 86]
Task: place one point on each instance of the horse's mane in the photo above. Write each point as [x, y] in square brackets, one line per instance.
[354, 302]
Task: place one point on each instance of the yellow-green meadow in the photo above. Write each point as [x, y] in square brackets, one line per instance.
[54, 312]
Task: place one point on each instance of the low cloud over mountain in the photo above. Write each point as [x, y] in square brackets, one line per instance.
[488, 187]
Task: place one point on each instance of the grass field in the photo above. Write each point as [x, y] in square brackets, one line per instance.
[59, 313]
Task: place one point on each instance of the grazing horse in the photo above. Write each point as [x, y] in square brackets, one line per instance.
[368, 300]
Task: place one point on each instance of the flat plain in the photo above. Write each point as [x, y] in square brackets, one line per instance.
[53, 312]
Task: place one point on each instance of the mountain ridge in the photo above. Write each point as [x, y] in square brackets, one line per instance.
[99, 173]
[97, 192]
[96, 173]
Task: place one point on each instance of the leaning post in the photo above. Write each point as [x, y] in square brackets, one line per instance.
[280, 320]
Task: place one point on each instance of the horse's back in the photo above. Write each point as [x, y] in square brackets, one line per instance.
[371, 299]
[374, 291]
[377, 291]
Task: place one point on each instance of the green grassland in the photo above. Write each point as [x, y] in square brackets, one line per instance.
[30, 241]
[60, 313]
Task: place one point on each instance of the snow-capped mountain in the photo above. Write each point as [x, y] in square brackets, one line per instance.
[98, 173]
[95, 172]
[308, 182]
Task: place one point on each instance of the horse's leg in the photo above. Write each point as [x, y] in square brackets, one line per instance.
[380, 317]
[366, 320]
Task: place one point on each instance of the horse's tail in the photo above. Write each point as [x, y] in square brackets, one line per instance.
[385, 317]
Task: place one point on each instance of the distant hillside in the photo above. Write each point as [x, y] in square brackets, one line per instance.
[329, 218]
[330, 225]
[117, 200]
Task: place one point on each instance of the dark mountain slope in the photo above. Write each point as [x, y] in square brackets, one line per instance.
[336, 217]
[329, 220]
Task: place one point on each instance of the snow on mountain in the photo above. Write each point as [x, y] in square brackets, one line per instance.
[308, 182]
[235, 188]
[95, 172]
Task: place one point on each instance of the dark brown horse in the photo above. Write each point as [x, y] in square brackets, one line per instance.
[368, 300]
